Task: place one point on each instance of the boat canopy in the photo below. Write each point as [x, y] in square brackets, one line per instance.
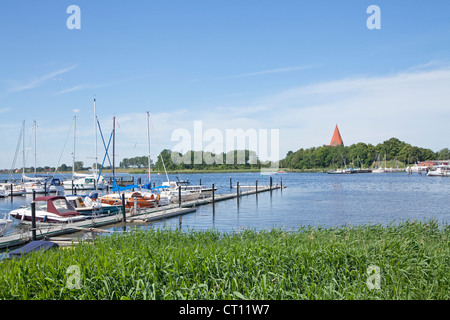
[55, 204]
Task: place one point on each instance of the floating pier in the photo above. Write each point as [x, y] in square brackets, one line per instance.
[143, 215]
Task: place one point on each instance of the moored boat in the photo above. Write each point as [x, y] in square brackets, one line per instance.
[50, 209]
[89, 207]
[440, 171]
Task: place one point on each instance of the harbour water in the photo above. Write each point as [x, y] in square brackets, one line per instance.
[310, 199]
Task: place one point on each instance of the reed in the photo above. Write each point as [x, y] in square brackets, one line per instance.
[310, 263]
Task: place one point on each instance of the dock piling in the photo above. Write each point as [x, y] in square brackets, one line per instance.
[123, 208]
[213, 192]
[179, 196]
[12, 193]
[33, 219]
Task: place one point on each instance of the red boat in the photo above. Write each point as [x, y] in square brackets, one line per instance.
[51, 209]
[142, 200]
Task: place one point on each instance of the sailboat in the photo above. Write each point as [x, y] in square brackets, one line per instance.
[85, 181]
[382, 169]
[133, 199]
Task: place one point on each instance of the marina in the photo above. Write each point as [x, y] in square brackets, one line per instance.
[43, 230]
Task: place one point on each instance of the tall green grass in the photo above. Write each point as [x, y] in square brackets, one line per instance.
[311, 263]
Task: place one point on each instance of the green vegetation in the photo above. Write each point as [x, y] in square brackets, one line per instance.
[199, 160]
[398, 154]
[361, 155]
[311, 263]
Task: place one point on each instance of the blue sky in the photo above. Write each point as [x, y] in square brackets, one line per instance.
[297, 66]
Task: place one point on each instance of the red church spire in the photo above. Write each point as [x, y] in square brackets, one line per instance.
[337, 139]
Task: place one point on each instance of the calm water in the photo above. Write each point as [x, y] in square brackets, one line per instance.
[310, 199]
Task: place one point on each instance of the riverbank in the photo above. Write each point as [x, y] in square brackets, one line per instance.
[410, 261]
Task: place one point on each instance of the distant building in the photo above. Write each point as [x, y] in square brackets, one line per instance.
[336, 140]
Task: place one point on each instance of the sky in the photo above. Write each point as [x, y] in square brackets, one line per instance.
[298, 67]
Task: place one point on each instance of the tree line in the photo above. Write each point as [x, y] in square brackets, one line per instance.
[360, 155]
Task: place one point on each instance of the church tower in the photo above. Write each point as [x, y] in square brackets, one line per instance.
[336, 140]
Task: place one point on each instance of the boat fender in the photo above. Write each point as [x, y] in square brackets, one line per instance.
[158, 197]
[45, 219]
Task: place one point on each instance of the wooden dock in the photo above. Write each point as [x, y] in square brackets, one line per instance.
[142, 215]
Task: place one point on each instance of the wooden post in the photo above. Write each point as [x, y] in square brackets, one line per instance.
[34, 194]
[200, 181]
[270, 183]
[281, 183]
[256, 185]
[179, 196]
[237, 186]
[33, 219]
[12, 193]
[123, 208]
[213, 192]
[231, 186]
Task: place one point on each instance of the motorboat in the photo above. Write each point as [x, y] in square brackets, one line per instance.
[203, 192]
[440, 171]
[49, 209]
[172, 191]
[5, 189]
[82, 181]
[132, 199]
[91, 207]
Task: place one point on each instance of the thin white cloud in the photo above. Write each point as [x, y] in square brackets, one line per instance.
[73, 89]
[4, 110]
[95, 86]
[271, 71]
[39, 81]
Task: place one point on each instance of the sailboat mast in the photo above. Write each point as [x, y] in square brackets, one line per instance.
[74, 143]
[23, 149]
[35, 132]
[148, 143]
[95, 130]
[114, 147]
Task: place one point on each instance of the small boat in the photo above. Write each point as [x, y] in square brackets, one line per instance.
[204, 192]
[90, 208]
[440, 171]
[132, 199]
[5, 190]
[50, 209]
[338, 171]
[380, 170]
[86, 182]
[35, 186]
[173, 193]
[5, 223]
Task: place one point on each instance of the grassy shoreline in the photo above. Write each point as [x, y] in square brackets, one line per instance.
[310, 263]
